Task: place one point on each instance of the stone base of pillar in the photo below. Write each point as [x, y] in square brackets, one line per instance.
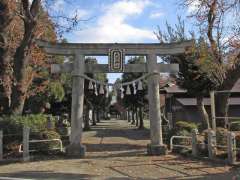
[25, 159]
[156, 150]
[76, 150]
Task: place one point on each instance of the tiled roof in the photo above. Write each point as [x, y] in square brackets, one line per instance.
[174, 89]
[193, 101]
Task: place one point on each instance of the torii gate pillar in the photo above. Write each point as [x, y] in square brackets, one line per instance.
[76, 148]
[156, 147]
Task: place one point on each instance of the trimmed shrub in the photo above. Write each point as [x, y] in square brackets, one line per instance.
[186, 142]
[12, 127]
[184, 125]
[221, 136]
[235, 126]
[182, 128]
[45, 147]
[14, 124]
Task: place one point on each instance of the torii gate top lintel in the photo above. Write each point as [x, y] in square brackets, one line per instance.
[101, 49]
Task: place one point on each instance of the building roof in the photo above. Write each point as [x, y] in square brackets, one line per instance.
[168, 84]
[193, 102]
[174, 89]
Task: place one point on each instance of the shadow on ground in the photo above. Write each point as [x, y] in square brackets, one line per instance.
[131, 132]
[112, 147]
[46, 175]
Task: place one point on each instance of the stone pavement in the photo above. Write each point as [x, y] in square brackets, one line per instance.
[116, 150]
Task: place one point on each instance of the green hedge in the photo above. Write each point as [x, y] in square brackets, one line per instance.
[14, 124]
[45, 147]
[182, 128]
[12, 127]
[235, 126]
[221, 136]
[184, 125]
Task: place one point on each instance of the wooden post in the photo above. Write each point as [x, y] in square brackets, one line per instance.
[212, 149]
[213, 110]
[50, 123]
[231, 143]
[26, 132]
[1, 145]
[156, 147]
[170, 119]
[194, 142]
[76, 148]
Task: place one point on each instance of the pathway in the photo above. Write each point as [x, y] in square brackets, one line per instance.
[116, 150]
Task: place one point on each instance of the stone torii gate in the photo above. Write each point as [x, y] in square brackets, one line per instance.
[78, 68]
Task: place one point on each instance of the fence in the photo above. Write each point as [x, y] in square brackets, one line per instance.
[42, 141]
[172, 145]
[231, 148]
[227, 123]
[24, 147]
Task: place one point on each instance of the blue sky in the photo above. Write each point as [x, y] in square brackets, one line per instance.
[121, 20]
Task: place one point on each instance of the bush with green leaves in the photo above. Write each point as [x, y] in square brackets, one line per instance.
[184, 125]
[221, 136]
[235, 126]
[56, 90]
[14, 124]
[182, 128]
[12, 127]
[48, 146]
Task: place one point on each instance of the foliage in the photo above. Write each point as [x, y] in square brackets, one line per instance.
[197, 74]
[12, 127]
[13, 124]
[182, 128]
[222, 39]
[182, 132]
[45, 147]
[24, 67]
[186, 126]
[134, 100]
[195, 71]
[235, 126]
[56, 90]
[97, 101]
[221, 136]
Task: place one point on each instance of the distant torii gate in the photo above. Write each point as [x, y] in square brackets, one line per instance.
[116, 52]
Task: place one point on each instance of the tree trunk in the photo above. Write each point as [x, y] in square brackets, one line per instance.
[86, 120]
[133, 116]
[5, 57]
[222, 109]
[136, 113]
[141, 123]
[232, 76]
[94, 118]
[203, 112]
[22, 57]
[98, 116]
[128, 116]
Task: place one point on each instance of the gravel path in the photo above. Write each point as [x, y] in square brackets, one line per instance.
[116, 150]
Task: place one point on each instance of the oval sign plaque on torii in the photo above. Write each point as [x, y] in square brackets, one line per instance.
[116, 60]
